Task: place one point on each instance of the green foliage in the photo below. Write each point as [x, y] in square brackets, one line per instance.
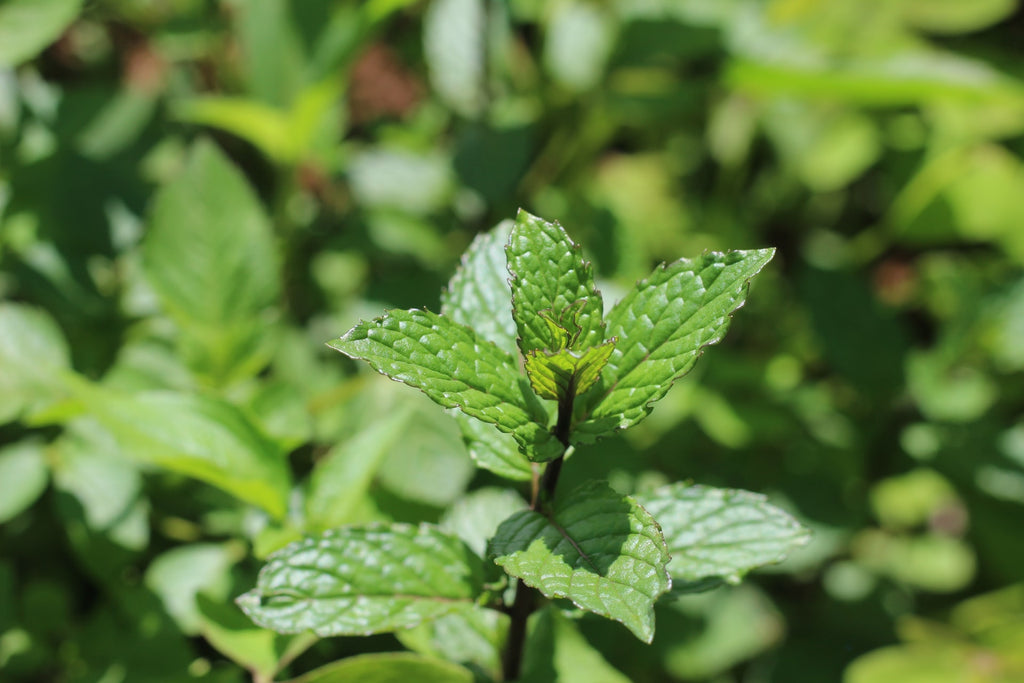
[194, 195]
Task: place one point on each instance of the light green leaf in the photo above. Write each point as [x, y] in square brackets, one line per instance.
[955, 16]
[479, 295]
[599, 549]
[662, 327]
[456, 368]
[454, 43]
[389, 667]
[476, 517]
[552, 288]
[180, 574]
[566, 374]
[29, 26]
[723, 533]
[259, 650]
[362, 580]
[341, 479]
[198, 436]
[33, 359]
[211, 258]
[556, 652]
[470, 637]
[493, 450]
[24, 474]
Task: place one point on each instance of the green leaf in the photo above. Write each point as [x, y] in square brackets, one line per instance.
[552, 289]
[259, 650]
[723, 533]
[454, 42]
[211, 258]
[341, 479]
[471, 637]
[29, 26]
[456, 368]
[362, 580]
[33, 360]
[180, 574]
[476, 517]
[479, 295]
[24, 474]
[198, 436]
[566, 374]
[493, 450]
[662, 327]
[389, 667]
[599, 549]
[556, 652]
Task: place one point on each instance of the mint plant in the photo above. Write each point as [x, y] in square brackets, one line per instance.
[525, 358]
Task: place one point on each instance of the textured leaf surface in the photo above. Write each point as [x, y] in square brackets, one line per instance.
[479, 295]
[724, 533]
[662, 325]
[549, 276]
[198, 436]
[566, 373]
[455, 367]
[599, 549]
[388, 667]
[363, 580]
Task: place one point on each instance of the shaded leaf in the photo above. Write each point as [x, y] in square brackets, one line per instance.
[599, 549]
[556, 652]
[469, 637]
[493, 450]
[24, 474]
[33, 358]
[566, 374]
[662, 326]
[723, 533]
[456, 368]
[390, 667]
[552, 288]
[362, 580]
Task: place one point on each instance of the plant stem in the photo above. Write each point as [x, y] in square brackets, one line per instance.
[526, 597]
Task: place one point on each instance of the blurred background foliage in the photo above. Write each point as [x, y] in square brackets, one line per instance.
[195, 195]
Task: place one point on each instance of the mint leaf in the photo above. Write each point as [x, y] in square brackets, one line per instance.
[566, 374]
[456, 368]
[34, 358]
[722, 533]
[362, 580]
[24, 471]
[557, 652]
[552, 288]
[211, 258]
[492, 450]
[387, 667]
[597, 548]
[198, 436]
[662, 326]
[478, 295]
[469, 637]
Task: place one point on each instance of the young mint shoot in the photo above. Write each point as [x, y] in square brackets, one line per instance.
[525, 358]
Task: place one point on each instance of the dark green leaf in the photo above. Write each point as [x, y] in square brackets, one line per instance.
[662, 327]
[362, 580]
[597, 548]
[455, 367]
